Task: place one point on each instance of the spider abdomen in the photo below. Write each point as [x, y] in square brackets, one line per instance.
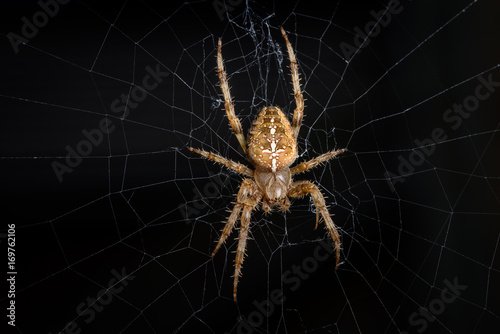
[271, 142]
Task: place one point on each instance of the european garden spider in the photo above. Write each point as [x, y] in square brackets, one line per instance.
[271, 147]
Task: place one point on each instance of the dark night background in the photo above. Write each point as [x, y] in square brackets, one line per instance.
[121, 208]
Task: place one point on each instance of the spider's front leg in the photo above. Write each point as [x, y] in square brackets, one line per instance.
[247, 200]
[301, 188]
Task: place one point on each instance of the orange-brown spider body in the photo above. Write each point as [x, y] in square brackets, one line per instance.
[271, 147]
[271, 142]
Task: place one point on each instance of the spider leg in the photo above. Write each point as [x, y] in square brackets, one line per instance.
[237, 167]
[303, 166]
[228, 101]
[301, 188]
[251, 199]
[248, 198]
[298, 114]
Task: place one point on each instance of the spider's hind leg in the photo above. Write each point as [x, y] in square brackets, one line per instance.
[228, 101]
[298, 114]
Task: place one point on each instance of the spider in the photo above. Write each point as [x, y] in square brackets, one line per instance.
[271, 147]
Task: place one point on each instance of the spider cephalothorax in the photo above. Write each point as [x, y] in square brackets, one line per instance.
[271, 147]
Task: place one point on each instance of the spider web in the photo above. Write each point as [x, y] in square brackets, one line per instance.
[116, 219]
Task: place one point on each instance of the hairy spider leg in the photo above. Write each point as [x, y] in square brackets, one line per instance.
[304, 166]
[301, 188]
[249, 196]
[298, 114]
[228, 101]
[235, 166]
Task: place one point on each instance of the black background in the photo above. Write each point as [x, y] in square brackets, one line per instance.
[119, 208]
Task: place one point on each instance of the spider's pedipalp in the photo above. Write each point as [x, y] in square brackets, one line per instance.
[301, 188]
